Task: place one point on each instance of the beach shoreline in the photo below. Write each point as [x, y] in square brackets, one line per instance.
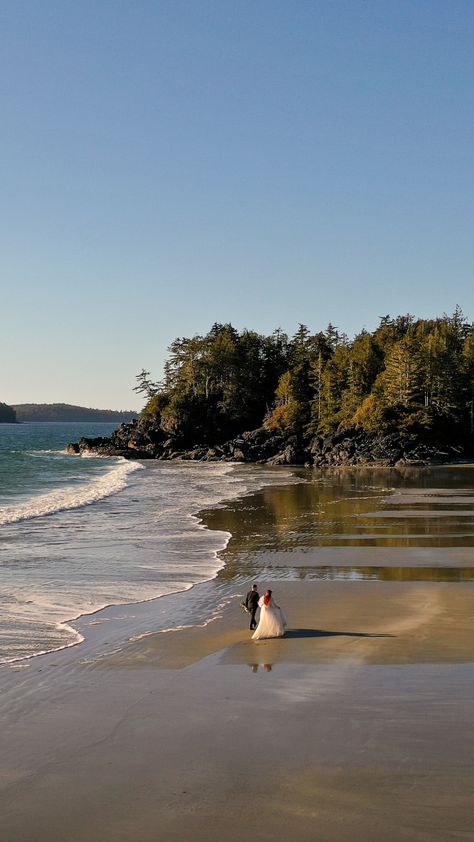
[159, 744]
[356, 725]
[144, 543]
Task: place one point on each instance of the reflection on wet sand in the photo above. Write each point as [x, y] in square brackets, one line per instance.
[400, 514]
[387, 574]
[266, 667]
[361, 716]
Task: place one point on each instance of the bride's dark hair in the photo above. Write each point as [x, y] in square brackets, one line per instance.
[266, 598]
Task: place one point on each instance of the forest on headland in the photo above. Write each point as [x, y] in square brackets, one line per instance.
[410, 382]
[7, 414]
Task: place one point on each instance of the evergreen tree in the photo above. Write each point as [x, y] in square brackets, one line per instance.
[403, 376]
[409, 376]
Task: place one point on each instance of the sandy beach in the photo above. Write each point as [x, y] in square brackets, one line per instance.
[169, 723]
[238, 329]
[357, 725]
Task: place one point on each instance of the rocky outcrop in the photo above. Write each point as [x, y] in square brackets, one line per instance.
[145, 439]
[357, 447]
[259, 445]
[139, 439]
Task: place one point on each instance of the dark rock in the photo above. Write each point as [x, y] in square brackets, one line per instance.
[357, 447]
[293, 454]
[145, 439]
[135, 440]
[196, 454]
[254, 445]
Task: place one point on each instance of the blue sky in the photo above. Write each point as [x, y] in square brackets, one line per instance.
[166, 165]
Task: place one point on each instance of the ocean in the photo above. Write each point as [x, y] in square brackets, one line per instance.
[81, 533]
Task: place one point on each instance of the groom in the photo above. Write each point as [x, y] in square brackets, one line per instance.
[251, 603]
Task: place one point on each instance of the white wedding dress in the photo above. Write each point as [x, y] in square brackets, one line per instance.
[272, 620]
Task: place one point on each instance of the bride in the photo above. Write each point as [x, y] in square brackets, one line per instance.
[272, 619]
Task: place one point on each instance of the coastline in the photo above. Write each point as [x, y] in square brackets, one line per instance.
[247, 481]
[350, 726]
[357, 725]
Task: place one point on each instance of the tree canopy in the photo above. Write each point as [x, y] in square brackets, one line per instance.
[411, 376]
[7, 414]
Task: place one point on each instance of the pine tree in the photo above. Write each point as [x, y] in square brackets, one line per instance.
[403, 376]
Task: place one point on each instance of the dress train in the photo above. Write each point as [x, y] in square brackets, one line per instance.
[272, 620]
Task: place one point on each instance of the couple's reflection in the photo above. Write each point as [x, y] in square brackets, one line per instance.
[266, 667]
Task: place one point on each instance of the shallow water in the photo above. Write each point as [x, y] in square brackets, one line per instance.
[77, 534]
[146, 539]
[401, 524]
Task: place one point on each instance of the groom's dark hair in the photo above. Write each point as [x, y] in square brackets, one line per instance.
[254, 587]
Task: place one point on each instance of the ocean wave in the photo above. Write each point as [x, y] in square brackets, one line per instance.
[41, 453]
[71, 497]
[151, 543]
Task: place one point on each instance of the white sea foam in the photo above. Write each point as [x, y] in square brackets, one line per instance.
[147, 542]
[74, 638]
[70, 497]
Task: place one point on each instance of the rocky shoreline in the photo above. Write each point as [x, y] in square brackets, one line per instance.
[145, 439]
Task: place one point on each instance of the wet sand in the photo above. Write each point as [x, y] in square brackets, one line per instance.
[356, 726]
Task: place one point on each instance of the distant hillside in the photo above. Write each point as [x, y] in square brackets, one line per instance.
[68, 412]
[7, 414]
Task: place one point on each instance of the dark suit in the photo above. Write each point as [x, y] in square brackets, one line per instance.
[252, 605]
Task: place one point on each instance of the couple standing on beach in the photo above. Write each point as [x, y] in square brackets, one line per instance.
[272, 621]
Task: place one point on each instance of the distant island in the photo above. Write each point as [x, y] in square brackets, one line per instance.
[7, 414]
[68, 412]
[403, 394]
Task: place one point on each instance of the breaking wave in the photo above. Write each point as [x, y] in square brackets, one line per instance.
[71, 496]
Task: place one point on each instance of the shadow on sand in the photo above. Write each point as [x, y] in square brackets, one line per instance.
[300, 633]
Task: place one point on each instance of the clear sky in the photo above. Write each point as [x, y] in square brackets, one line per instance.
[169, 164]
